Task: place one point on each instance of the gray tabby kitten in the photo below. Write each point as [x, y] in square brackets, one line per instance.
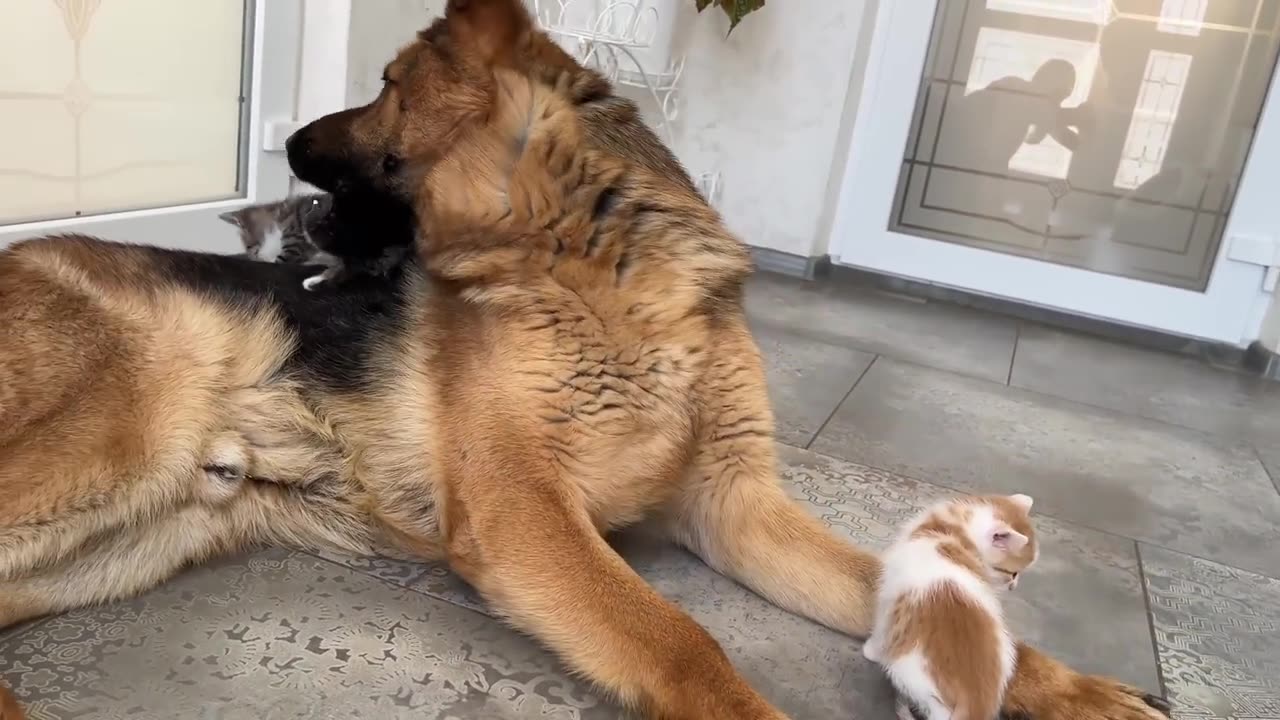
[302, 230]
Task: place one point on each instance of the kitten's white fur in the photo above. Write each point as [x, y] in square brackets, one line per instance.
[272, 243]
[913, 566]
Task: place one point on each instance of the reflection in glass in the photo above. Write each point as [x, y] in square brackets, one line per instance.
[1090, 133]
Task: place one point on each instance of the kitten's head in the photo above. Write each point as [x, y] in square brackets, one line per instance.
[1000, 527]
[257, 225]
[280, 231]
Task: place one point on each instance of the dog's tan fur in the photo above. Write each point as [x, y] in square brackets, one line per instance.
[578, 360]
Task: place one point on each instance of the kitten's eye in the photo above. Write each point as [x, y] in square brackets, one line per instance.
[1000, 536]
[390, 163]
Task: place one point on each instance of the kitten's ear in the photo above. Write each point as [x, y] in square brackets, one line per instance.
[1006, 538]
[235, 217]
[1022, 501]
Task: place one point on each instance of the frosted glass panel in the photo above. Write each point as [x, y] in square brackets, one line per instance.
[109, 105]
[1104, 134]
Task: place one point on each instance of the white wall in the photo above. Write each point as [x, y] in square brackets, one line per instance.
[378, 29]
[322, 71]
[767, 107]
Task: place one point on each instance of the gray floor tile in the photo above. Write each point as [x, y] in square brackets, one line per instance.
[807, 379]
[280, 635]
[1270, 456]
[1152, 384]
[1084, 578]
[933, 334]
[1219, 635]
[1142, 479]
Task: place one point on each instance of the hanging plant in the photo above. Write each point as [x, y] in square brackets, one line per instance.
[735, 9]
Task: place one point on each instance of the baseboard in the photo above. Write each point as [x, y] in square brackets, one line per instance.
[1254, 360]
[1263, 361]
[784, 263]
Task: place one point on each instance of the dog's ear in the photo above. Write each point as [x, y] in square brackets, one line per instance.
[489, 30]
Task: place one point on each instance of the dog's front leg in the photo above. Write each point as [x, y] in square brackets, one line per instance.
[531, 550]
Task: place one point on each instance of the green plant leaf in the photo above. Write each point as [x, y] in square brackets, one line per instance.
[735, 9]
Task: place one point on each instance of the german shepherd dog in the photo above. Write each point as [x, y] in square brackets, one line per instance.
[567, 355]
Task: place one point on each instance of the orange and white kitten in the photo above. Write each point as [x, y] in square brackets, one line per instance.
[939, 628]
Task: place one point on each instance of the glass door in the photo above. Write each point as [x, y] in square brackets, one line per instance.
[1108, 158]
[142, 120]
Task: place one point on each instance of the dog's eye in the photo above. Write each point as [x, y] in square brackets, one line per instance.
[390, 163]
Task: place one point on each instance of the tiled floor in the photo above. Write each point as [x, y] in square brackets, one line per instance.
[1160, 525]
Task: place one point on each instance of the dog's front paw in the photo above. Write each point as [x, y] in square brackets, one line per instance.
[9, 708]
[1044, 689]
[1097, 698]
[1107, 699]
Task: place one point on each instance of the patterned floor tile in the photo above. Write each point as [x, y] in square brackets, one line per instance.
[278, 636]
[434, 579]
[1218, 631]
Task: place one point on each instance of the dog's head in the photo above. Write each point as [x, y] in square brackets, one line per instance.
[435, 90]
[509, 151]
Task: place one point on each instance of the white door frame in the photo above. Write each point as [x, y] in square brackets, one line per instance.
[1230, 310]
[277, 27]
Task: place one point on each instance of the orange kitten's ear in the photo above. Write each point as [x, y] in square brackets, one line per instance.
[1006, 538]
[1022, 501]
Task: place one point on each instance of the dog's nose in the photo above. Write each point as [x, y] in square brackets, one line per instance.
[297, 150]
[298, 143]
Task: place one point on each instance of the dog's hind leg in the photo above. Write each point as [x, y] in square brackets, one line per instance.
[121, 563]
